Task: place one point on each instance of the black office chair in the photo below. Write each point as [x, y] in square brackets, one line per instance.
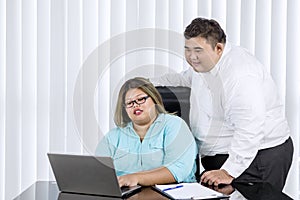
[177, 100]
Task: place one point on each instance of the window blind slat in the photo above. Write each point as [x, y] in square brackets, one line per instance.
[2, 94]
[104, 33]
[278, 45]
[74, 62]
[43, 88]
[293, 91]
[57, 75]
[263, 25]
[233, 19]
[247, 31]
[13, 137]
[29, 88]
[89, 128]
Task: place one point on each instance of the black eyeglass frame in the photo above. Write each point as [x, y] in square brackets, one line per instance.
[137, 101]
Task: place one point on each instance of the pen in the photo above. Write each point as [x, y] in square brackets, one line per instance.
[172, 188]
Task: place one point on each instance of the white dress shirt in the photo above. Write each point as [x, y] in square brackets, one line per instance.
[235, 108]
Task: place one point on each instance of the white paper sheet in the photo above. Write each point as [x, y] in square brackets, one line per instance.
[188, 191]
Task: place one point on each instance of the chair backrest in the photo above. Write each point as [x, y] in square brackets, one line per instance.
[176, 100]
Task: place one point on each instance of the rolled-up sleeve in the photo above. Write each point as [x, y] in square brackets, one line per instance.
[180, 151]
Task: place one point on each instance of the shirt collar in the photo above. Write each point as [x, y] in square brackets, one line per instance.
[160, 118]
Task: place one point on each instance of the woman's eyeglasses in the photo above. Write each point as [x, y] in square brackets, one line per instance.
[139, 101]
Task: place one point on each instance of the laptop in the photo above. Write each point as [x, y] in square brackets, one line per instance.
[84, 174]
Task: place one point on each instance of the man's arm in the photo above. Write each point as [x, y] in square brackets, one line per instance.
[174, 79]
[246, 111]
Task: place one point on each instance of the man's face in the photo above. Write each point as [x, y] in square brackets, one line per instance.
[200, 54]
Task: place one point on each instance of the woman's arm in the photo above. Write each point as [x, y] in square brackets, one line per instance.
[180, 151]
[146, 178]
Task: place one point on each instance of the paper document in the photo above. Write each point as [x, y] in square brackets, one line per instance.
[189, 191]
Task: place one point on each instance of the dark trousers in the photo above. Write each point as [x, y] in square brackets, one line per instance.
[269, 165]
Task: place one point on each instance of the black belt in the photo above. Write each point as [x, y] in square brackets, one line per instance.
[213, 162]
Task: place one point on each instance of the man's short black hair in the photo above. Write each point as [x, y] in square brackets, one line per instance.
[205, 28]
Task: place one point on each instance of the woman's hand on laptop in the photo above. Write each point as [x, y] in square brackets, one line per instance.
[159, 175]
[128, 180]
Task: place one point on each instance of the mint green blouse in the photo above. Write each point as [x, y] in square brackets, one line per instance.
[168, 143]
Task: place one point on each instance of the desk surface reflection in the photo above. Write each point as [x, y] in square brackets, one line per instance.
[260, 191]
[47, 190]
[252, 191]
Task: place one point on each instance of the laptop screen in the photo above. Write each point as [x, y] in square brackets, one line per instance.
[86, 174]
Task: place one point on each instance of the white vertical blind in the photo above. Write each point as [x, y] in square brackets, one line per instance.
[218, 13]
[190, 11]
[132, 23]
[117, 64]
[204, 8]
[74, 59]
[90, 30]
[161, 23]
[278, 45]
[248, 25]
[104, 23]
[146, 20]
[293, 90]
[46, 45]
[2, 94]
[28, 93]
[263, 25]
[13, 126]
[233, 16]
[58, 28]
[43, 88]
[176, 17]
